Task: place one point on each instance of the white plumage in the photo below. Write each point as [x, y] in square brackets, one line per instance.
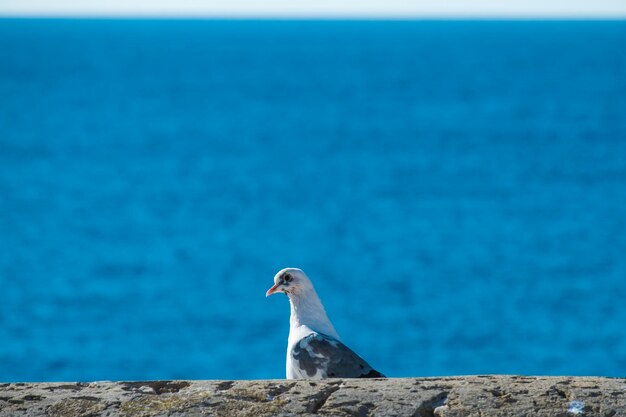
[314, 349]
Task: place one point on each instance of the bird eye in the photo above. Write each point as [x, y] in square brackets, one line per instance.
[287, 278]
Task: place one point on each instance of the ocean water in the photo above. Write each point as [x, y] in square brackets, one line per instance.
[456, 190]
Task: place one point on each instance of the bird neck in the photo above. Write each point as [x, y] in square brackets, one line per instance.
[307, 310]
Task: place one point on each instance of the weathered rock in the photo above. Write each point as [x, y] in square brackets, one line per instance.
[481, 396]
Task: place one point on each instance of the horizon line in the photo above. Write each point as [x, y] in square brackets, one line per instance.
[374, 17]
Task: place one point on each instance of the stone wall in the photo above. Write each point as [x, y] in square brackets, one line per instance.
[481, 396]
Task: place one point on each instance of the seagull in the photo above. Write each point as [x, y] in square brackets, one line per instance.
[314, 350]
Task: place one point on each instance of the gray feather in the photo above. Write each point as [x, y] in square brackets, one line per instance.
[331, 358]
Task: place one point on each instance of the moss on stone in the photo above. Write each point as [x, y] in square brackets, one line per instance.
[239, 408]
[76, 408]
[150, 405]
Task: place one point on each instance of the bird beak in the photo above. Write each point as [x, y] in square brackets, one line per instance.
[272, 290]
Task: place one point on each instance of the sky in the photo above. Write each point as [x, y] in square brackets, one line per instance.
[319, 8]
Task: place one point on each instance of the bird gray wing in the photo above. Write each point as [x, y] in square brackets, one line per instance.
[321, 356]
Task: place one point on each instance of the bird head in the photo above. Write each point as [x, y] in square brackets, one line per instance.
[289, 281]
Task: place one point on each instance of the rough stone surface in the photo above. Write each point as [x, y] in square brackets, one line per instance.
[480, 396]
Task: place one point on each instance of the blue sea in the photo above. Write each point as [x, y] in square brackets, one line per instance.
[456, 190]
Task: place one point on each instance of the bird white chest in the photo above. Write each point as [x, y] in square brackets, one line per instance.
[296, 333]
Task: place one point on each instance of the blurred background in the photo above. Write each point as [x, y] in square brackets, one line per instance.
[452, 178]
